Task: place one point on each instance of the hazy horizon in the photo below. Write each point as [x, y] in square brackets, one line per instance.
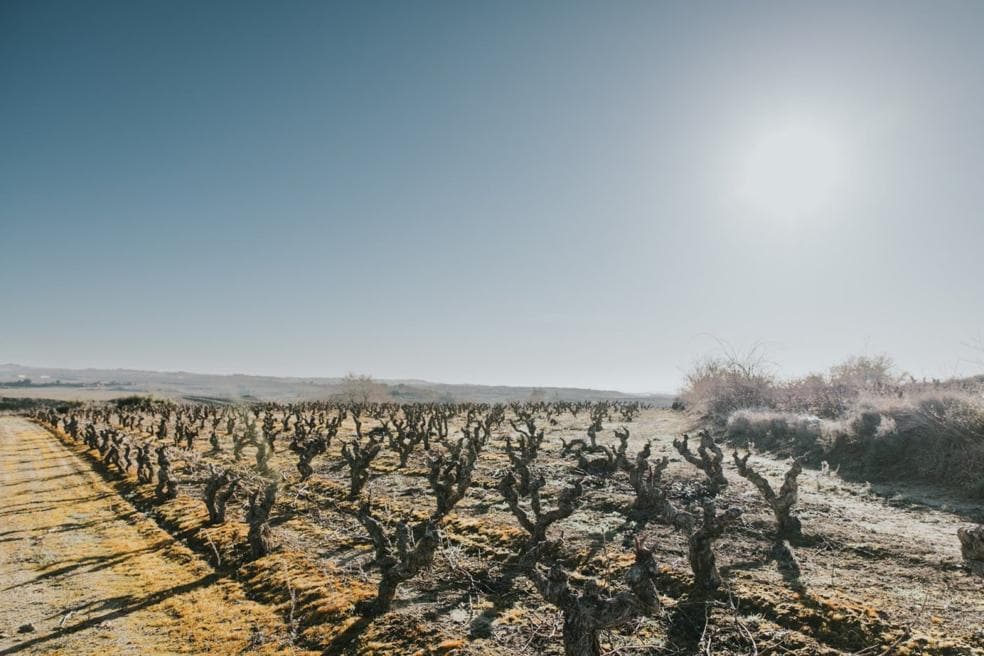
[335, 377]
[963, 367]
[564, 195]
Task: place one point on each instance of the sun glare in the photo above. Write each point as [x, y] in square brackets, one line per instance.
[792, 171]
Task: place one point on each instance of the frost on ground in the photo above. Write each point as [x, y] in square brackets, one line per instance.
[868, 574]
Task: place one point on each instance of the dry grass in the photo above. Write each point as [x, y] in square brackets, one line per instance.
[96, 577]
[930, 437]
[862, 415]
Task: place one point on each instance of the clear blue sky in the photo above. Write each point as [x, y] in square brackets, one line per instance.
[549, 193]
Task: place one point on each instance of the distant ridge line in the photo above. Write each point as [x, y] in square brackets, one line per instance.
[233, 388]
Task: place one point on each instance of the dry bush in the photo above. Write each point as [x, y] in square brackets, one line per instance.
[932, 437]
[866, 372]
[716, 386]
[362, 389]
[838, 392]
[816, 395]
[783, 433]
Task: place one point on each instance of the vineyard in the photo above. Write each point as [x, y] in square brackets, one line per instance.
[577, 528]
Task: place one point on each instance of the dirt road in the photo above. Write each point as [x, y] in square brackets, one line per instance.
[82, 572]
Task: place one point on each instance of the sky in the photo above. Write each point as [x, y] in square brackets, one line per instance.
[548, 193]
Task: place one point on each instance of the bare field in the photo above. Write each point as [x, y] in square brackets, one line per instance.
[876, 575]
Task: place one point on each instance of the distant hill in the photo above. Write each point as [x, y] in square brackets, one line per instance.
[21, 381]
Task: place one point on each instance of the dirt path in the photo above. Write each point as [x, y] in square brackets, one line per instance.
[92, 575]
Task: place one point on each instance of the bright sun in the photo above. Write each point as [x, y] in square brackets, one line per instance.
[792, 171]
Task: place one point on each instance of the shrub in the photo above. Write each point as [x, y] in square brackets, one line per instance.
[716, 387]
[817, 395]
[784, 433]
[866, 372]
[935, 437]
